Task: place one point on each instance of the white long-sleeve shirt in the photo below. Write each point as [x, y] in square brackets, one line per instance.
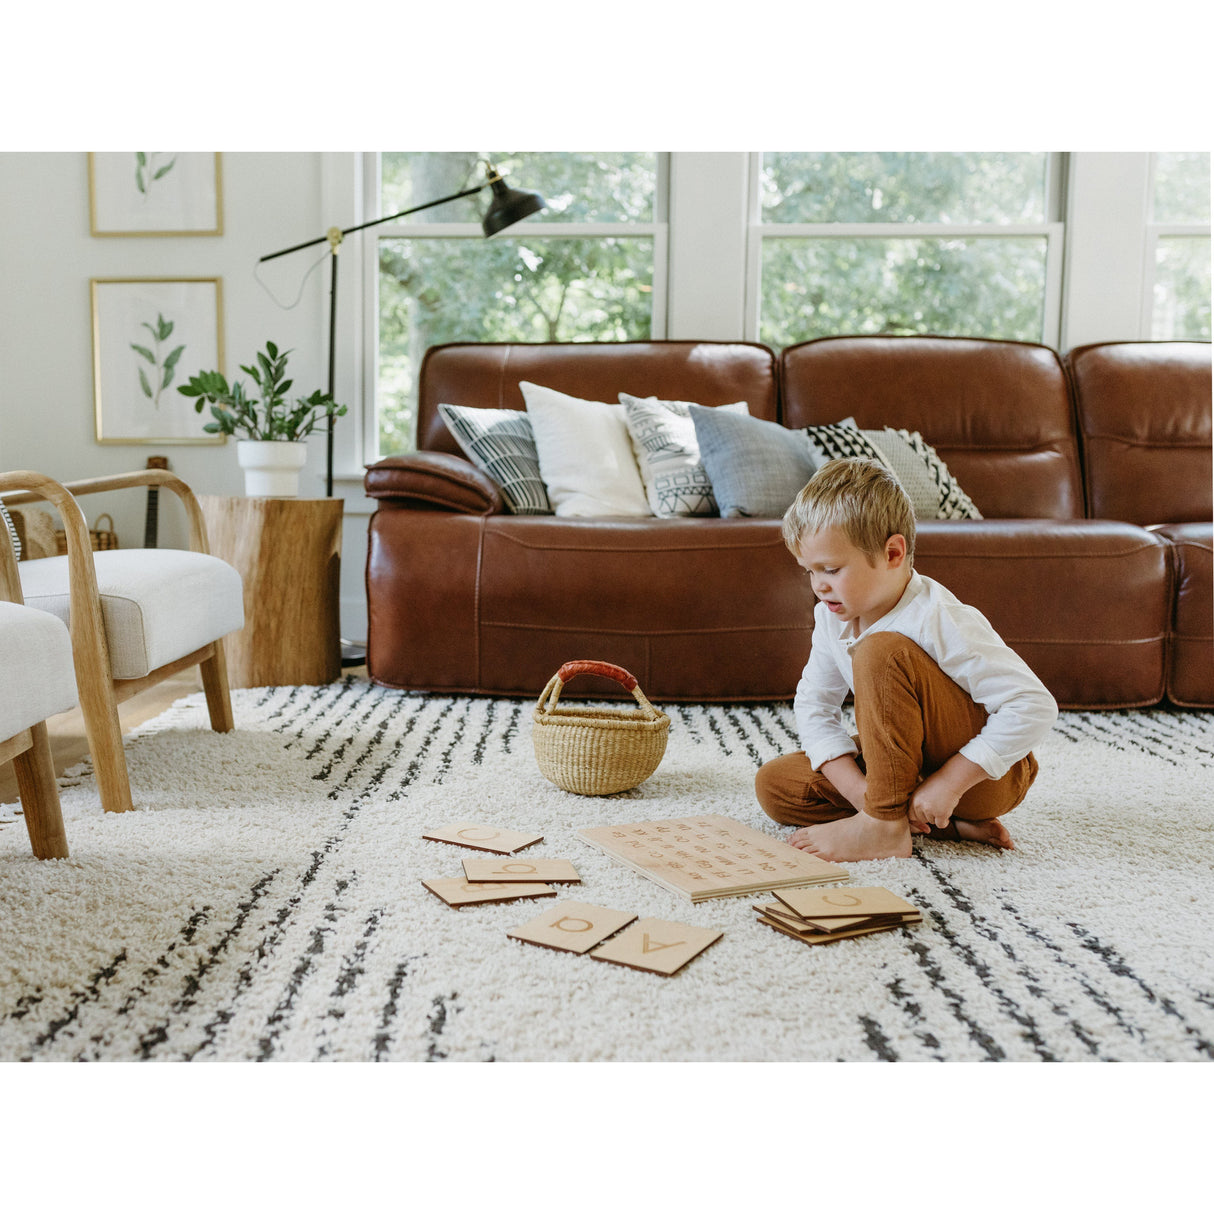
[960, 640]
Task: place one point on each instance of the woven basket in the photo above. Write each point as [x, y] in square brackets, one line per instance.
[596, 751]
[101, 538]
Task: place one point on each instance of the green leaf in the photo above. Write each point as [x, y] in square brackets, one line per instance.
[161, 172]
[143, 383]
[145, 352]
[164, 328]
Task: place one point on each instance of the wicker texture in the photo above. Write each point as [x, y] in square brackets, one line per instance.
[102, 539]
[597, 751]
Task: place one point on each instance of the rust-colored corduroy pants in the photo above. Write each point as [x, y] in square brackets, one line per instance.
[910, 719]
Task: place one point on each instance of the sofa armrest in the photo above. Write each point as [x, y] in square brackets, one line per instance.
[434, 480]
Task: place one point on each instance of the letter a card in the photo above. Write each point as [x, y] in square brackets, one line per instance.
[657, 945]
[572, 927]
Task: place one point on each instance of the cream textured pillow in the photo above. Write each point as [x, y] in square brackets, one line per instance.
[668, 454]
[585, 455]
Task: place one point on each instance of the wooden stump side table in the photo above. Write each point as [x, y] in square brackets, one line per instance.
[288, 552]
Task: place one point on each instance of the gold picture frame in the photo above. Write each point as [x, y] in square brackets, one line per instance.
[150, 335]
[155, 193]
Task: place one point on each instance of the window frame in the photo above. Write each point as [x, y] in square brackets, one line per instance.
[657, 229]
[1053, 229]
[1150, 264]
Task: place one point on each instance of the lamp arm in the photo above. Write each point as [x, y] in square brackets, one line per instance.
[307, 244]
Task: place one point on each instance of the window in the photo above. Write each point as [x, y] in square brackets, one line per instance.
[1178, 247]
[907, 242]
[591, 267]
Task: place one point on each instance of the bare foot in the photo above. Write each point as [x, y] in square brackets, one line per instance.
[856, 838]
[990, 831]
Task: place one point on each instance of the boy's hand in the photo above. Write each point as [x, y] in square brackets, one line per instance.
[933, 801]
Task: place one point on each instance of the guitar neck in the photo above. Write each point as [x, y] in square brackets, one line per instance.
[151, 524]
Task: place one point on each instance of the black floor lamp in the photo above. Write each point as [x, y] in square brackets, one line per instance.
[506, 207]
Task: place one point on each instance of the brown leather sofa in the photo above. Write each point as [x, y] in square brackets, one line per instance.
[1097, 583]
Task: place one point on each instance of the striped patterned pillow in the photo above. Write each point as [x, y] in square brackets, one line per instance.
[932, 489]
[12, 531]
[500, 443]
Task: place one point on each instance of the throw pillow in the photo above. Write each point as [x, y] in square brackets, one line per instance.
[664, 441]
[756, 467]
[585, 455]
[500, 443]
[12, 532]
[932, 489]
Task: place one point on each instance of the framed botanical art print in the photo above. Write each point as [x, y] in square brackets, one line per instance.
[150, 335]
[155, 194]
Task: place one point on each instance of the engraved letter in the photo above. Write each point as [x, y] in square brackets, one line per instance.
[560, 924]
[841, 900]
[647, 947]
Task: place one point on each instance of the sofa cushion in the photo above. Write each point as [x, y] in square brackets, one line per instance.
[585, 455]
[488, 374]
[501, 444]
[999, 413]
[1144, 413]
[932, 489]
[36, 669]
[157, 604]
[756, 467]
[668, 455]
[1191, 651]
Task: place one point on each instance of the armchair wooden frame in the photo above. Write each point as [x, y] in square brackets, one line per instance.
[30, 752]
[100, 693]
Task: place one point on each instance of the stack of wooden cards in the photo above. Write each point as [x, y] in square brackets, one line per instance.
[499, 877]
[819, 916]
[657, 946]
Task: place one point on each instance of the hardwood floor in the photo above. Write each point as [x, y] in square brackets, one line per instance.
[68, 742]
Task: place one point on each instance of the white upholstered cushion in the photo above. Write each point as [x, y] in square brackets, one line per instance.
[37, 679]
[158, 603]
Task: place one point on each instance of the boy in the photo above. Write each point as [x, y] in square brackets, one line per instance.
[946, 713]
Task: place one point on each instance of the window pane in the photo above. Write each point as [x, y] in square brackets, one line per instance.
[555, 289]
[981, 287]
[1182, 289]
[904, 187]
[1182, 187]
[579, 187]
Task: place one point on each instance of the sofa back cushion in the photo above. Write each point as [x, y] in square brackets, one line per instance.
[1144, 414]
[487, 375]
[997, 412]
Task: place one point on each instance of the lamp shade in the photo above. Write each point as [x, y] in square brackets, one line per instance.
[509, 206]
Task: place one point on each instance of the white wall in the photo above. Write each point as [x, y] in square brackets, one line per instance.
[47, 257]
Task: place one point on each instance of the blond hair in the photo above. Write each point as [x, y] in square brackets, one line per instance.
[860, 497]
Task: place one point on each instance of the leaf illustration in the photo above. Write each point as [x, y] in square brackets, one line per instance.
[161, 172]
[171, 361]
[143, 381]
[143, 350]
[164, 327]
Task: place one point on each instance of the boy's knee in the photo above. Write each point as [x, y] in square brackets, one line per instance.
[877, 651]
[772, 785]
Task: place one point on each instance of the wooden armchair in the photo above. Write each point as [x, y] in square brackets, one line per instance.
[38, 681]
[136, 616]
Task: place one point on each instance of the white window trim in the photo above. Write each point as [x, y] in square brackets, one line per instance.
[1052, 229]
[1154, 233]
[657, 231]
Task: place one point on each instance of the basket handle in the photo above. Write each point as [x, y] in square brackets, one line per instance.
[570, 670]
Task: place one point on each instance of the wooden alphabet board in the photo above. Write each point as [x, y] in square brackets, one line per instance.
[572, 927]
[483, 838]
[711, 856]
[455, 891]
[657, 945]
[482, 868]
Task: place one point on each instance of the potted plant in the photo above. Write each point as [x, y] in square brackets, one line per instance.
[272, 450]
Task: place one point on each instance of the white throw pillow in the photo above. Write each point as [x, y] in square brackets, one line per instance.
[668, 454]
[585, 455]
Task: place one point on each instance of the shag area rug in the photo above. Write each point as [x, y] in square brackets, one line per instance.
[265, 903]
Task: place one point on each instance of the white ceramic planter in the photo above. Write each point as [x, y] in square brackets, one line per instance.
[271, 469]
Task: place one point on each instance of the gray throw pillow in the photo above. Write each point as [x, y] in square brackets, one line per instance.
[756, 467]
[14, 538]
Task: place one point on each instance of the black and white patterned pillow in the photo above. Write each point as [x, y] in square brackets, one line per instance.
[501, 444]
[932, 489]
[12, 531]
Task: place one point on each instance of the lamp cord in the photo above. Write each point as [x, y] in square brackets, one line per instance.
[303, 282]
